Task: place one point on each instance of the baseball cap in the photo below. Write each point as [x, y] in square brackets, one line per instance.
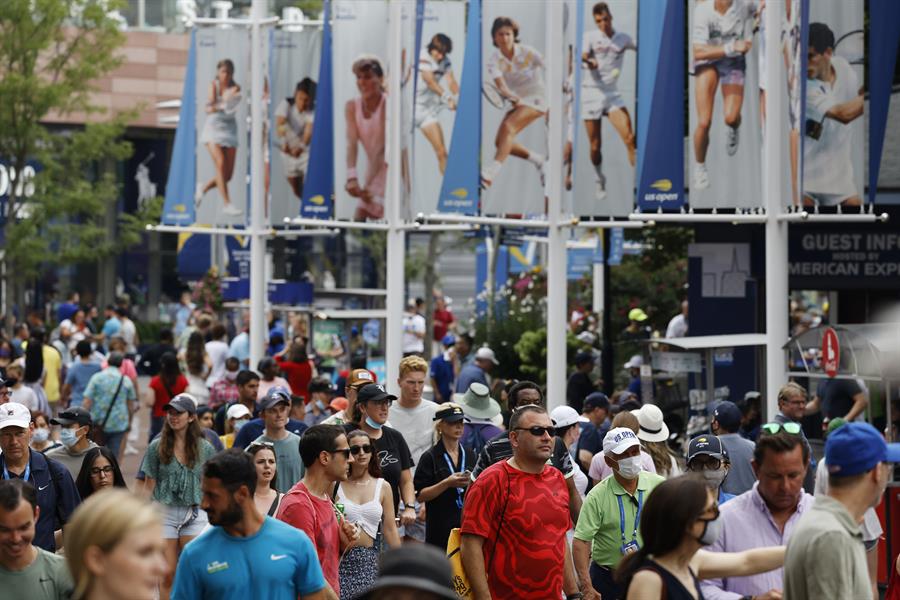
[856, 448]
[448, 340]
[583, 357]
[834, 424]
[586, 337]
[618, 440]
[72, 415]
[237, 411]
[709, 445]
[418, 567]
[13, 414]
[339, 403]
[373, 393]
[359, 378]
[596, 400]
[275, 396]
[449, 412]
[485, 353]
[636, 314]
[634, 362]
[564, 416]
[728, 415]
[320, 384]
[182, 403]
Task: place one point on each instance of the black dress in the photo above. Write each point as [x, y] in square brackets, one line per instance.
[673, 589]
[441, 513]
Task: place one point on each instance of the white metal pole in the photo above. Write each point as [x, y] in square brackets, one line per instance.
[258, 286]
[396, 236]
[597, 299]
[556, 247]
[776, 229]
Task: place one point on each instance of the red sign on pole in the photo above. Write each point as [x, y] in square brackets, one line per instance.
[831, 352]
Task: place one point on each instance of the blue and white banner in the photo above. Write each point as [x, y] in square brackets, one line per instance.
[660, 98]
[884, 39]
[459, 191]
[178, 208]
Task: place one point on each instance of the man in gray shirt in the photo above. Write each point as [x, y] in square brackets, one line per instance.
[75, 424]
[725, 424]
[274, 408]
[825, 556]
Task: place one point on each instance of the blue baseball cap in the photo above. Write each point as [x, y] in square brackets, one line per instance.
[448, 340]
[728, 415]
[275, 396]
[856, 448]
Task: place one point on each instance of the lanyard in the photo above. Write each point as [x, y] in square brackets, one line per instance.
[462, 467]
[637, 516]
[25, 475]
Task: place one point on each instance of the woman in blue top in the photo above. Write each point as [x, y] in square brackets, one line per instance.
[173, 466]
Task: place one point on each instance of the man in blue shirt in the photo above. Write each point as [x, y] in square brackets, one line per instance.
[245, 554]
[111, 324]
[590, 442]
[442, 371]
[477, 371]
[79, 374]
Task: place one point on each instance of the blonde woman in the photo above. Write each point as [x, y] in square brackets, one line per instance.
[654, 433]
[114, 548]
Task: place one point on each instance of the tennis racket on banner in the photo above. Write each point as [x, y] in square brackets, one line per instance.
[492, 94]
[852, 46]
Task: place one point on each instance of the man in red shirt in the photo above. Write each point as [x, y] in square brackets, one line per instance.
[515, 519]
[308, 506]
[443, 318]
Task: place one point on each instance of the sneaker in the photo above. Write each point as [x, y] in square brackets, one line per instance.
[731, 140]
[601, 187]
[701, 177]
[485, 183]
[542, 170]
[232, 210]
[198, 195]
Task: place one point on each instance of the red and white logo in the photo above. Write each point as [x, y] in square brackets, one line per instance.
[831, 352]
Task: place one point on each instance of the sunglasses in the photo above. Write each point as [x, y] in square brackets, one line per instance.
[344, 451]
[364, 449]
[538, 431]
[256, 445]
[526, 406]
[773, 428]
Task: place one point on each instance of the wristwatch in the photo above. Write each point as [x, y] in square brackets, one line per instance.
[575, 596]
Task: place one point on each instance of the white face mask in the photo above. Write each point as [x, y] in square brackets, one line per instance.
[714, 477]
[630, 467]
[40, 434]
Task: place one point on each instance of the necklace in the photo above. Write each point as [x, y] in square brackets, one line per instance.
[365, 482]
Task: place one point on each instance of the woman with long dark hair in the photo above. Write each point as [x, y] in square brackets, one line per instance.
[173, 466]
[100, 470]
[679, 518]
[266, 497]
[220, 134]
[168, 384]
[35, 373]
[198, 366]
[297, 368]
[369, 504]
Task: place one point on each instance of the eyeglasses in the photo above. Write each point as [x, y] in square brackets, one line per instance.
[364, 449]
[538, 431]
[97, 471]
[773, 428]
[344, 451]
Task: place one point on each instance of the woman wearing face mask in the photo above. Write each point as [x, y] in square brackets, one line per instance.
[114, 548]
[168, 384]
[266, 497]
[680, 517]
[236, 417]
[99, 471]
[369, 504]
[40, 437]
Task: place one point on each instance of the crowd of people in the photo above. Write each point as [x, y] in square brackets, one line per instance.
[281, 482]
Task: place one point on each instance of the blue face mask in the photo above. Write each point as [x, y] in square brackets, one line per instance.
[320, 405]
[373, 424]
[238, 424]
[68, 437]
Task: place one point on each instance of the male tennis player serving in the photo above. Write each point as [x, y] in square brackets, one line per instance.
[431, 96]
[517, 73]
[602, 54]
[720, 43]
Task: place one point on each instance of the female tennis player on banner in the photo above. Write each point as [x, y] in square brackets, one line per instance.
[516, 85]
[437, 88]
[365, 117]
[220, 134]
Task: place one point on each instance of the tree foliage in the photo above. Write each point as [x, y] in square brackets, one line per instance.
[52, 52]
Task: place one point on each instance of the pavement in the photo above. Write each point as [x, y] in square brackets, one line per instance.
[140, 429]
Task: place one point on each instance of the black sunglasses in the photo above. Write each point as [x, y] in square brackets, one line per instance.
[538, 431]
[364, 449]
[344, 451]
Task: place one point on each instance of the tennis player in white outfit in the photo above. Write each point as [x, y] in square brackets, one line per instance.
[293, 125]
[833, 101]
[517, 71]
[437, 88]
[603, 51]
[720, 42]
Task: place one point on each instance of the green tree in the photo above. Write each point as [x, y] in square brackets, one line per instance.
[52, 52]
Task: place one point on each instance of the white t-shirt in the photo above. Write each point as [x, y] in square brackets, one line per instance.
[427, 64]
[297, 122]
[714, 29]
[413, 324]
[678, 327]
[827, 162]
[24, 396]
[609, 52]
[218, 352]
[127, 333]
[523, 74]
[416, 425]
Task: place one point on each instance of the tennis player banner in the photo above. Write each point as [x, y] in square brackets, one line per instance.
[178, 208]
[317, 184]
[459, 188]
[884, 38]
[660, 98]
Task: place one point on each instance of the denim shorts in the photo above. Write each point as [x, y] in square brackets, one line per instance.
[179, 521]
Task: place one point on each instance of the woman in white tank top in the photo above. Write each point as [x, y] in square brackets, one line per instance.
[369, 504]
[365, 116]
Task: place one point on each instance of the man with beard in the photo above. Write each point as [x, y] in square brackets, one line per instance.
[245, 554]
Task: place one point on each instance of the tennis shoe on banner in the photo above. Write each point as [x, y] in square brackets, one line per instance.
[542, 173]
[484, 182]
[601, 187]
[198, 195]
[232, 210]
[731, 140]
[701, 177]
